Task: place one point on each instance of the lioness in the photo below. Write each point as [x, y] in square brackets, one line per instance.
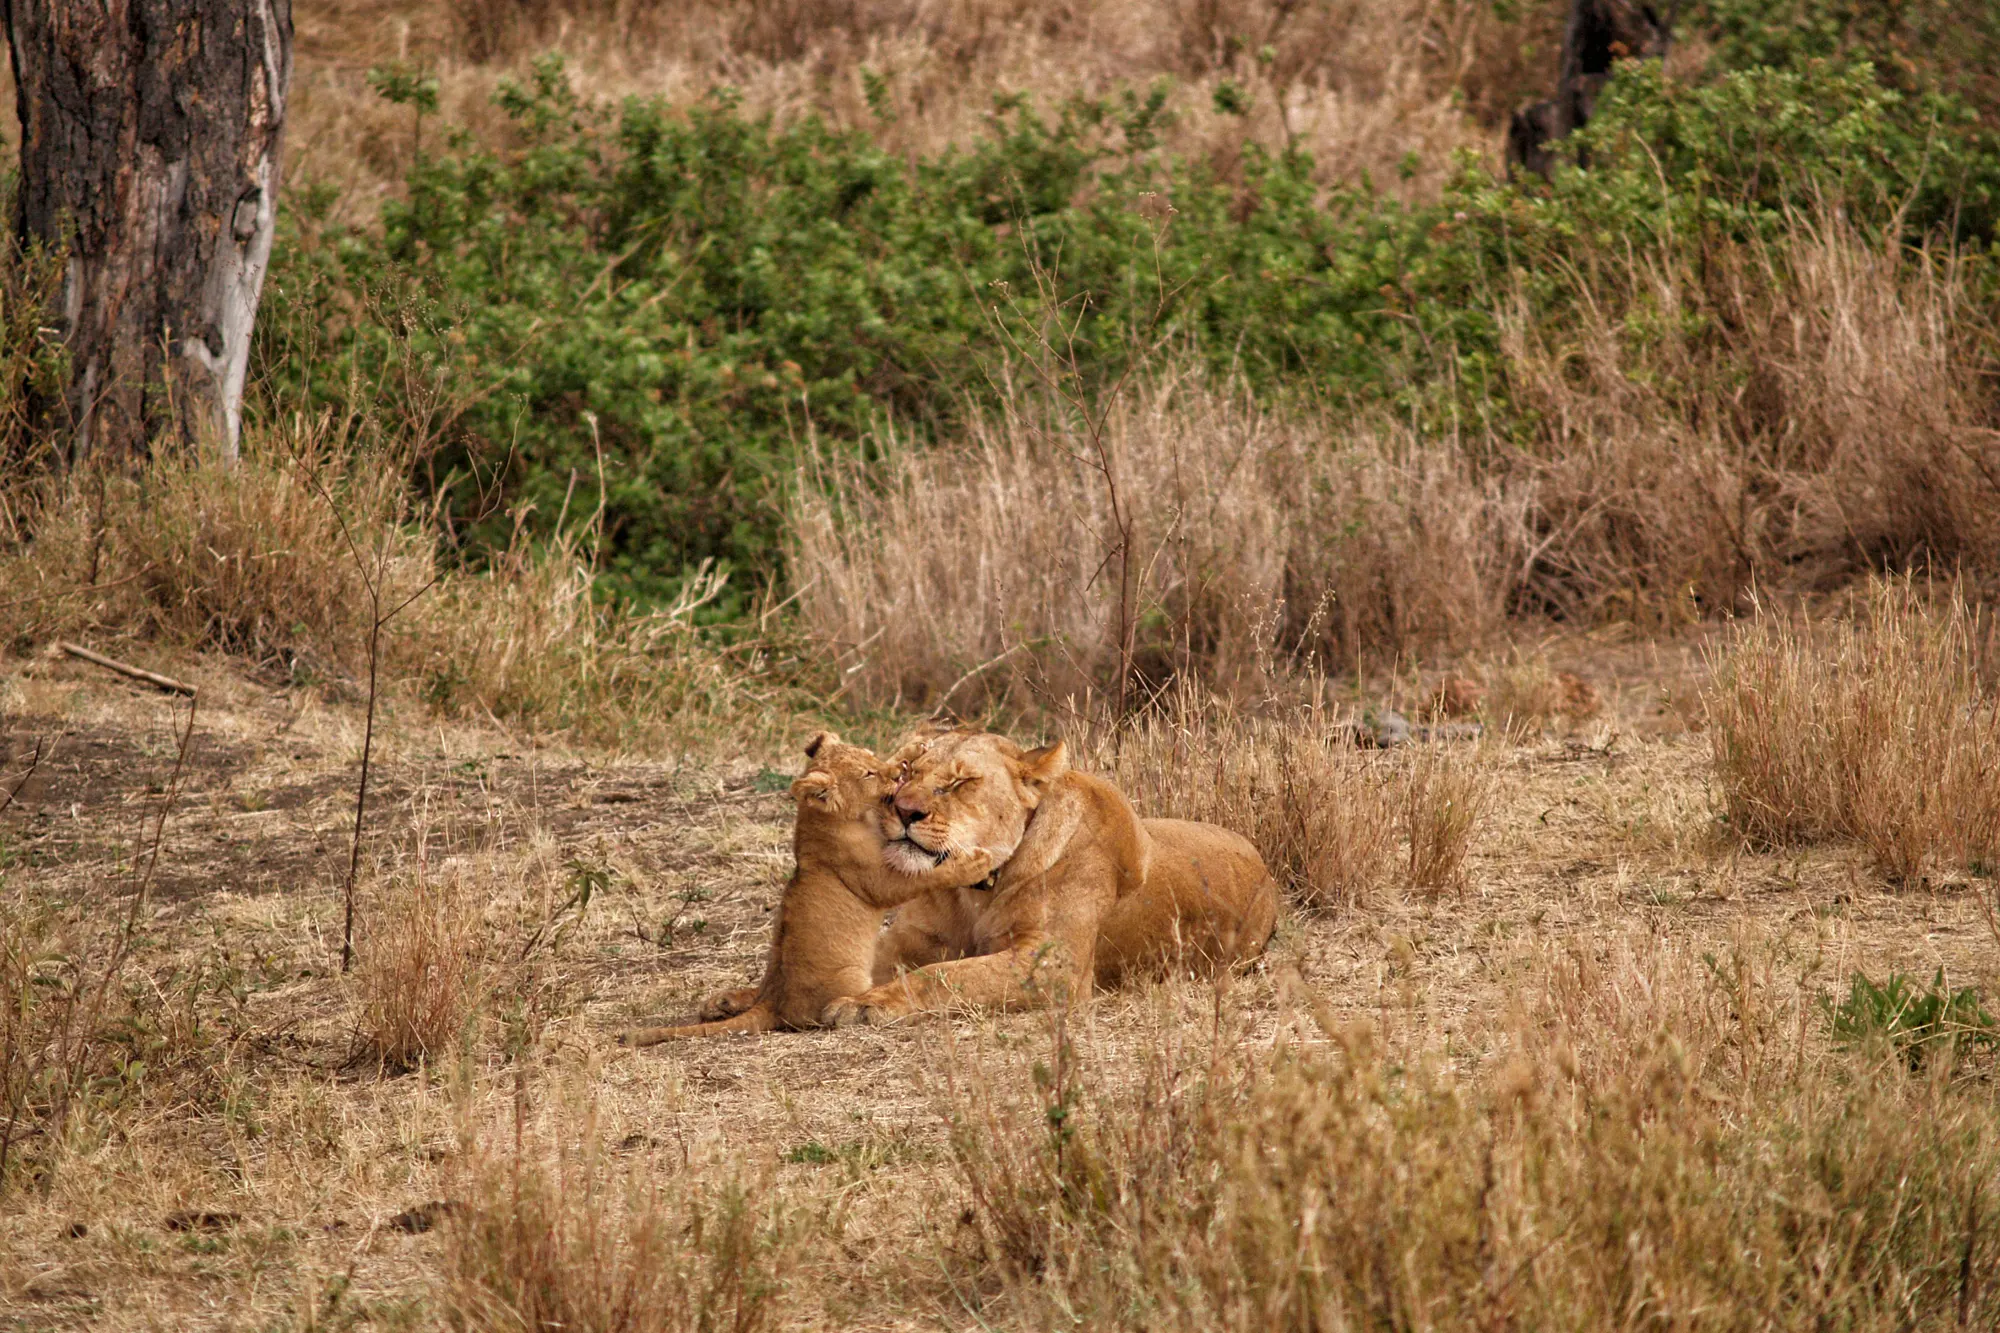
[1085, 890]
[824, 937]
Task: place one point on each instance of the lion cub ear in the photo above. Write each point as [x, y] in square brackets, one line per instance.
[1039, 769]
[819, 742]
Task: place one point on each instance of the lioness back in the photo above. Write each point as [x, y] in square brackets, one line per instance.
[1208, 902]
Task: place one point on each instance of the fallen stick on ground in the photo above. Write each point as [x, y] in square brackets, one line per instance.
[125, 669]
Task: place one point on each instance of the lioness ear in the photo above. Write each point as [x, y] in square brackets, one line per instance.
[819, 742]
[1040, 768]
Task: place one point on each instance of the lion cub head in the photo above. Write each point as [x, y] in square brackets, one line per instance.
[843, 782]
[964, 795]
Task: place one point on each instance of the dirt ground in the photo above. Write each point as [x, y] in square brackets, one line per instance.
[259, 1180]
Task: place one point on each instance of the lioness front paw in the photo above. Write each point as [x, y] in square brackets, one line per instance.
[843, 1013]
[848, 1012]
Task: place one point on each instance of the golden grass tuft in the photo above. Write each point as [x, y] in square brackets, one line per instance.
[422, 977]
[1445, 793]
[1876, 729]
[577, 1244]
[1646, 1139]
[1322, 812]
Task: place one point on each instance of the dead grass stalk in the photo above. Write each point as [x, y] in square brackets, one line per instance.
[1875, 729]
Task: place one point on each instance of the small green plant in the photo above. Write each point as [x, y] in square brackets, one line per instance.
[1912, 1019]
[810, 1153]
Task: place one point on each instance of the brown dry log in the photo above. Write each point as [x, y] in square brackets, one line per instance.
[126, 669]
[151, 142]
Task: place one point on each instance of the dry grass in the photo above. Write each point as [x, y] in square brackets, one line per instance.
[1788, 416]
[1526, 694]
[1257, 538]
[1444, 794]
[1542, 1065]
[1332, 819]
[270, 559]
[1794, 416]
[1360, 86]
[246, 559]
[1878, 729]
[1648, 1137]
[1321, 811]
[421, 981]
[578, 1243]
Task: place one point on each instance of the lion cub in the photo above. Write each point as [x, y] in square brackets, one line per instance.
[823, 940]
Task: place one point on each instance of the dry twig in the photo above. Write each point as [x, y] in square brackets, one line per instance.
[126, 669]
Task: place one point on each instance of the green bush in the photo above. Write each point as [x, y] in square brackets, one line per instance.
[667, 302]
[1912, 1019]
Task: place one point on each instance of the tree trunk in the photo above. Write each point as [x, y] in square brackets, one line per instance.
[1598, 35]
[151, 134]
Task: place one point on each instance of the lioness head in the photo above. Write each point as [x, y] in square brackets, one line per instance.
[842, 781]
[961, 793]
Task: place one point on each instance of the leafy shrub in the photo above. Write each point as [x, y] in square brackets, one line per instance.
[1936, 58]
[668, 302]
[1913, 1019]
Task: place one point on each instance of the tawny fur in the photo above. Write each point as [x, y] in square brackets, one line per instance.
[823, 939]
[1087, 892]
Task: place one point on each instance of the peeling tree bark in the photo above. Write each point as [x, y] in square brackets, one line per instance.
[151, 142]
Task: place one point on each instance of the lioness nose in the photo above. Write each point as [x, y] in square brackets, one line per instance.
[907, 810]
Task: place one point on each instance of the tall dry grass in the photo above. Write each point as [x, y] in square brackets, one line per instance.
[1322, 812]
[1645, 1146]
[422, 977]
[265, 560]
[575, 1243]
[1444, 796]
[1782, 415]
[1785, 416]
[1335, 822]
[249, 559]
[1364, 87]
[1879, 729]
[981, 575]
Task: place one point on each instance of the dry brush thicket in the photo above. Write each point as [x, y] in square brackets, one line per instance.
[1788, 416]
[1647, 1143]
[1878, 729]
